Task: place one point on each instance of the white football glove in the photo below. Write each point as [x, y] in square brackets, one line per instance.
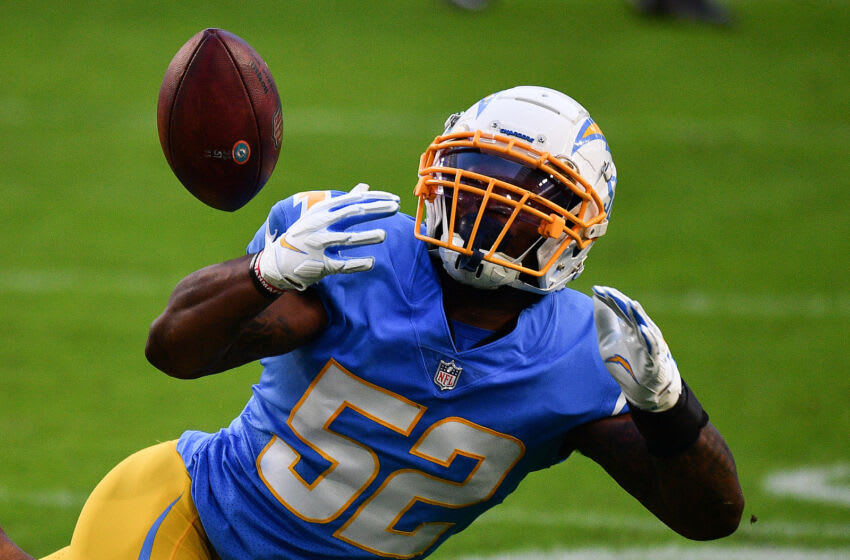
[634, 351]
[299, 257]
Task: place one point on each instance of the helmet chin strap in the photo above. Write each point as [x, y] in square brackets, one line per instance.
[488, 231]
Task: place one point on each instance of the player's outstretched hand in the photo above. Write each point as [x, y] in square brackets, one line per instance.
[300, 257]
[635, 352]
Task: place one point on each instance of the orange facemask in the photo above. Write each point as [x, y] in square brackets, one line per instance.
[516, 187]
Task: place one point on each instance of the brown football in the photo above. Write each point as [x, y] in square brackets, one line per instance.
[219, 119]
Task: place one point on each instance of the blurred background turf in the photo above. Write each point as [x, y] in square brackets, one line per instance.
[730, 223]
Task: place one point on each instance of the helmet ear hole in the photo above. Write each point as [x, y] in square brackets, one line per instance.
[568, 162]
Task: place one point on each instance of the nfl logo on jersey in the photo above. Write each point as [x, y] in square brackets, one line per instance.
[447, 374]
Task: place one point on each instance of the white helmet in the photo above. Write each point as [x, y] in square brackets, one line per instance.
[516, 189]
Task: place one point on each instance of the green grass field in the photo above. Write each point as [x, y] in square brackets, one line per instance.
[731, 226]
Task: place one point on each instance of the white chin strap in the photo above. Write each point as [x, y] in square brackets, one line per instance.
[487, 276]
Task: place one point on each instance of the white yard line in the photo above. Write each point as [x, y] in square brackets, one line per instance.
[825, 485]
[737, 304]
[696, 552]
[81, 281]
[61, 499]
[764, 528]
[732, 304]
[372, 122]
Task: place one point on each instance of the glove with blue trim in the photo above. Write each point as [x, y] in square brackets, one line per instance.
[635, 352]
[302, 255]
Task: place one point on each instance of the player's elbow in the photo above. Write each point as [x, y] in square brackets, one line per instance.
[728, 515]
[728, 522]
[160, 353]
[719, 524]
[717, 530]
[157, 354]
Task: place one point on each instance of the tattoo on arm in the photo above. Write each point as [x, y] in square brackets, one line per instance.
[291, 321]
[265, 336]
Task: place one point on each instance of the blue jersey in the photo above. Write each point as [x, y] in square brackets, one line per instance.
[380, 438]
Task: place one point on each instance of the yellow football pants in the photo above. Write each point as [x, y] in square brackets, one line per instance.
[141, 510]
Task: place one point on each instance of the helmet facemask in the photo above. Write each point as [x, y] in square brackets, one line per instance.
[501, 212]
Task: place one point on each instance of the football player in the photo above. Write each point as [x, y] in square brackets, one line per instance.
[416, 369]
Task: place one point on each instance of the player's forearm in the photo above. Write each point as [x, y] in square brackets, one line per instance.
[697, 493]
[696, 488]
[203, 318]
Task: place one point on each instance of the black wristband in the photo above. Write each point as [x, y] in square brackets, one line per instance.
[259, 282]
[671, 432]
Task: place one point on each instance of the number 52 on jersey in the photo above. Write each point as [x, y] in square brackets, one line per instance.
[354, 465]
